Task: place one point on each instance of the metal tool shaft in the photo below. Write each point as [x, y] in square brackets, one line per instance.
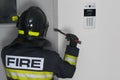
[57, 30]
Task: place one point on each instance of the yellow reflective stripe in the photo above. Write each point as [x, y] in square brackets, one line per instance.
[71, 59]
[14, 18]
[20, 31]
[31, 33]
[28, 75]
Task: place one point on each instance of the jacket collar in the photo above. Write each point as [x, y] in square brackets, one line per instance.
[33, 43]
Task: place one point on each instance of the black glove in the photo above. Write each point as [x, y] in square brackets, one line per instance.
[73, 39]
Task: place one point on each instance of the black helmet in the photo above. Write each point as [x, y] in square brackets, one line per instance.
[32, 24]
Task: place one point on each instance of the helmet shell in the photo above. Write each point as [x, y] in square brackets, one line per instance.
[32, 24]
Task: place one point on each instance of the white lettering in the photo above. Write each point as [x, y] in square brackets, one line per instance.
[19, 62]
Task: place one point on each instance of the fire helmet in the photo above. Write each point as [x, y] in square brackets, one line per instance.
[32, 24]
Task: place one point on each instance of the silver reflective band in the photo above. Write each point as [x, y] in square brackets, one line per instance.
[71, 59]
[28, 75]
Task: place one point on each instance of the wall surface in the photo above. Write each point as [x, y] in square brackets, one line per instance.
[8, 32]
[99, 57]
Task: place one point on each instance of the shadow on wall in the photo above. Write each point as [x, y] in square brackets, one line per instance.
[8, 36]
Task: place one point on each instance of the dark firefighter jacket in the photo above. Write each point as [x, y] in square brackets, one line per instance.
[26, 61]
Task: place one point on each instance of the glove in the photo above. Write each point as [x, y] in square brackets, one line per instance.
[73, 39]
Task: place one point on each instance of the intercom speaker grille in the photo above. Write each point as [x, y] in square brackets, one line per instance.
[89, 22]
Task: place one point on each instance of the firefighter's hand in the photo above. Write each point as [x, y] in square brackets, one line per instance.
[73, 39]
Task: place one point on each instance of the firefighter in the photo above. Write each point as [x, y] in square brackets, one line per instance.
[26, 57]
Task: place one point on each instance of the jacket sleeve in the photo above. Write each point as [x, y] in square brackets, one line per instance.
[65, 68]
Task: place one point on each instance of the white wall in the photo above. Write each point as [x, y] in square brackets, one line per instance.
[99, 57]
